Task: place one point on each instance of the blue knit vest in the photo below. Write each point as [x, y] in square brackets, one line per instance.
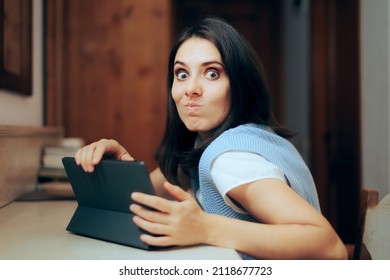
[261, 140]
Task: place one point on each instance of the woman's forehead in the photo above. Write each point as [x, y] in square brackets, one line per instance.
[197, 49]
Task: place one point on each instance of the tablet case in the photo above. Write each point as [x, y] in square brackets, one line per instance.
[104, 198]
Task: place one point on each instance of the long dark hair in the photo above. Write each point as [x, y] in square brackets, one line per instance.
[250, 100]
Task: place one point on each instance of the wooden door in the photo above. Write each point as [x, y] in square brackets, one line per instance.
[106, 65]
[336, 111]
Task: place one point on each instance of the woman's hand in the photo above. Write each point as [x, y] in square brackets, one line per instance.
[180, 222]
[91, 155]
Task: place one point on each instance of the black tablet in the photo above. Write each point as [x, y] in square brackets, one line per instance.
[103, 198]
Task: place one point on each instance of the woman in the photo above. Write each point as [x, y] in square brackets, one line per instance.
[227, 177]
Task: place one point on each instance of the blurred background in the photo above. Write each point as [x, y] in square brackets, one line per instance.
[98, 70]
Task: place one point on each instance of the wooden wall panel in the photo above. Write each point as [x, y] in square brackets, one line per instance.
[114, 70]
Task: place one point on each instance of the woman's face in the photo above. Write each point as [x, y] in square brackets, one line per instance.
[201, 88]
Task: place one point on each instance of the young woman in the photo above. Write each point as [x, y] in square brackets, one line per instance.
[227, 177]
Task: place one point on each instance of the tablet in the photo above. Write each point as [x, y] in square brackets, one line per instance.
[103, 198]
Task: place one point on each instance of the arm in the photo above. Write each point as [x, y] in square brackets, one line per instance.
[290, 228]
[158, 180]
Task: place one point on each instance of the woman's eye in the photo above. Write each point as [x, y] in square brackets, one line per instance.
[212, 74]
[181, 75]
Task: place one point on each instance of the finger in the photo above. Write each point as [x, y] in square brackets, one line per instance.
[80, 155]
[91, 155]
[177, 192]
[152, 201]
[77, 157]
[98, 154]
[82, 158]
[150, 215]
[153, 228]
[114, 148]
[157, 240]
[126, 157]
[87, 158]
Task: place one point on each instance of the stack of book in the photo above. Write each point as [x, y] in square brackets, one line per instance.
[52, 180]
[51, 164]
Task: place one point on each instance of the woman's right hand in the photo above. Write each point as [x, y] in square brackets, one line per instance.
[91, 155]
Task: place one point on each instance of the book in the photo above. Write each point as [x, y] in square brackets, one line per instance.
[52, 155]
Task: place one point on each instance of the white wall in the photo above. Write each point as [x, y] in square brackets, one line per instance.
[21, 110]
[375, 71]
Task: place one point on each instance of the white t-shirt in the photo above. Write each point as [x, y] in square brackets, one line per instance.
[235, 168]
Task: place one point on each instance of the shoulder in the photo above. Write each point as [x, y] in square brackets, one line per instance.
[245, 138]
[241, 167]
[250, 134]
[250, 137]
[248, 129]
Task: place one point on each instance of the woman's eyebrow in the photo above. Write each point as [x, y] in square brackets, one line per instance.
[179, 62]
[202, 64]
[212, 62]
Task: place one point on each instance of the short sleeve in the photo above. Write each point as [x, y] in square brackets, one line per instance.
[235, 168]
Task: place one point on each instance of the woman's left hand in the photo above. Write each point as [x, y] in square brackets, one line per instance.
[181, 222]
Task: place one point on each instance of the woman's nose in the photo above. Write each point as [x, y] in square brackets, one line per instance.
[193, 86]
